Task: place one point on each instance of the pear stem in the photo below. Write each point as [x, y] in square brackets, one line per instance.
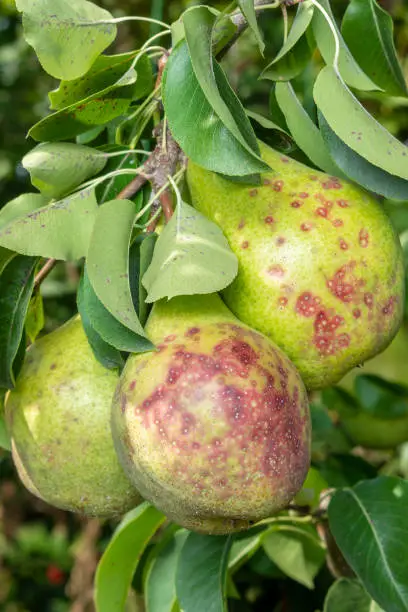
[44, 272]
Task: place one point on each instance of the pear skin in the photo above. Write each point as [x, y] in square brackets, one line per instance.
[320, 266]
[213, 428]
[58, 417]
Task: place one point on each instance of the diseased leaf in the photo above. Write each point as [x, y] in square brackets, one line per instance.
[349, 69]
[61, 230]
[356, 127]
[304, 131]
[120, 559]
[199, 131]
[99, 108]
[202, 573]
[108, 261]
[368, 31]
[16, 286]
[369, 523]
[20, 206]
[57, 168]
[66, 35]
[105, 73]
[191, 256]
[106, 354]
[359, 169]
[248, 9]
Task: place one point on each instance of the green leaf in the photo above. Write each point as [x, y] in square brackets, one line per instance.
[369, 523]
[109, 189]
[265, 122]
[297, 551]
[202, 135]
[98, 108]
[327, 437]
[120, 559]
[57, 168]
[345, 470]
[349, 69]
[202, 573]
[291, 64]
[299, 26]
[146, 256]
[21, 206]
[381, 398]
[359, 169]
[104, 74]
[356, 127]
[5, 440]
[248, 10]
[107, 326]
[191, 256]
[368, 31]
[242, 549]
[66, 35]
[347, 595]
[61, 230]
[198, 24]
[309, 495]
[16, 286]
[108, 261]
[160, 586]
[5, 257]
[34, 322]
[106, 354]
[304, 131]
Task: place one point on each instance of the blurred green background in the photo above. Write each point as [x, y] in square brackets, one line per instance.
[47, 556]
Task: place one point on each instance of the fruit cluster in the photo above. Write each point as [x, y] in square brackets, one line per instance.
[213, 426]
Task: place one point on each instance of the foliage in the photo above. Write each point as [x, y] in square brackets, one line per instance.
[321, 81]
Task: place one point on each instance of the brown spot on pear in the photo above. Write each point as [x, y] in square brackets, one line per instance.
[216, 433]
[312, 240]
[58, 417]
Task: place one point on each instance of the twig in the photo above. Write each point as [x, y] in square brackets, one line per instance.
[44, 272]
[133, 187]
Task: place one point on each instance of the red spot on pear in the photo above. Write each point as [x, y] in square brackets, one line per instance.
[306, 227]
[245, 244]
[253, 193]
[363, 238]
[296, 204]
[276, 271]
[269, 219]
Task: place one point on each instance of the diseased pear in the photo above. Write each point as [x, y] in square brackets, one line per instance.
[214, 427]
[320, 266]
[58, 417]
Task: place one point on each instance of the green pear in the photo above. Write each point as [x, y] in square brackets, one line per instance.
[373, 432]
[213, 428]
[366, 429]
[320, 266]
[58, 417]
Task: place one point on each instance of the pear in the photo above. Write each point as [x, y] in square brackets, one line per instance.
[58, 417]
[320, 266]
[213, 428]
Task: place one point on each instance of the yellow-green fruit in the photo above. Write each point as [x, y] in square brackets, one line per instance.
[320, 266]
[58, 417]
[214, 427]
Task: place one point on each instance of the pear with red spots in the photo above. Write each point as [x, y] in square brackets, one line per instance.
[320, 266]
[213, 428]
[58, 417]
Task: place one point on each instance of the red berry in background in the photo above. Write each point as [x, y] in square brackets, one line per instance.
[54, 575]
